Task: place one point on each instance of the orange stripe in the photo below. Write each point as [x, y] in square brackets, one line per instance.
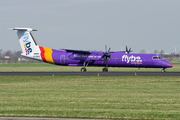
[48, 55]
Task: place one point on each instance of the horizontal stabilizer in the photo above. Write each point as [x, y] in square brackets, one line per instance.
[23, 29]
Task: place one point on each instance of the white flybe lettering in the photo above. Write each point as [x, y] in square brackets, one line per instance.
[26, 37]
[132, 59]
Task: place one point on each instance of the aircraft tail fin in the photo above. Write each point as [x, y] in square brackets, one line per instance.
[28, 44]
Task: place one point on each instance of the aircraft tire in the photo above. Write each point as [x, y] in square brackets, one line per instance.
[83, 70]
[163, 70]
[105, 69]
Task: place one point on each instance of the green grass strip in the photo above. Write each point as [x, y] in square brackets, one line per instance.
[122, 97]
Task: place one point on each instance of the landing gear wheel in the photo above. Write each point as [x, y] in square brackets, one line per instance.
[83, 70]
[163, 70]
[105, 69]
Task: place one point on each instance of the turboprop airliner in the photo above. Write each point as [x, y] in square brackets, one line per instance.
[69, 57]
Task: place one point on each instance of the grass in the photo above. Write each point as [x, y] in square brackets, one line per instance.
[122, 97]
[49, 67]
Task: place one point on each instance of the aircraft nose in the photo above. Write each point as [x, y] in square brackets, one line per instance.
[171, 65]
[168, 64]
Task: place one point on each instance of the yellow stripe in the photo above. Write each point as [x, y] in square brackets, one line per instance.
[48, 55]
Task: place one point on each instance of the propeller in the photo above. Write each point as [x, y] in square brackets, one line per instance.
[128, 51]
[106, 55]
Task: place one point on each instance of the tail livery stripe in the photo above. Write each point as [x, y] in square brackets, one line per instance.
[42, 53]
[46, 54]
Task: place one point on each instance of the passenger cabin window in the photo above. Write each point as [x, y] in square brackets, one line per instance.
[157, 57]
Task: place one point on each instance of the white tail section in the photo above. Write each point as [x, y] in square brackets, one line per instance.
[28, 44]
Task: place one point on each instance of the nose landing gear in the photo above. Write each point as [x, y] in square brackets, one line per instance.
[163, 70]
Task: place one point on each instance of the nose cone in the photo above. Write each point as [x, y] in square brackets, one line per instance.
[167, 64]
[171, 65]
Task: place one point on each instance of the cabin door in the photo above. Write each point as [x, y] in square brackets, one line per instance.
[62, 59]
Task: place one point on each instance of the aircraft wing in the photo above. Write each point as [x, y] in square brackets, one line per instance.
[78, 51]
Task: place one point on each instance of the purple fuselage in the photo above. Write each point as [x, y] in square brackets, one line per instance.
[118, 59]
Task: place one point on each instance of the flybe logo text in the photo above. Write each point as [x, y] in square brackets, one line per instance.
[27, 47]
[26, 37]
[132, 59]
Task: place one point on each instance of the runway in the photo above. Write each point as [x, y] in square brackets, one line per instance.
[90, 73]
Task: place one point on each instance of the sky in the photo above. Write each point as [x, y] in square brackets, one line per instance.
[92, 24]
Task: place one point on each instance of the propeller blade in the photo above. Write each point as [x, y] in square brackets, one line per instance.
[106, 55]
[129, 50]
[106, 48]
[109, 49]
[104, 59]
[126, 49]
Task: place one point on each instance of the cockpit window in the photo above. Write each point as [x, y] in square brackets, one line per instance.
[157, 57]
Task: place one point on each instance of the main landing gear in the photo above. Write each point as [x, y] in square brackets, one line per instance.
[105, 69]
[84, 67]
[86, 64]
[163, 70]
